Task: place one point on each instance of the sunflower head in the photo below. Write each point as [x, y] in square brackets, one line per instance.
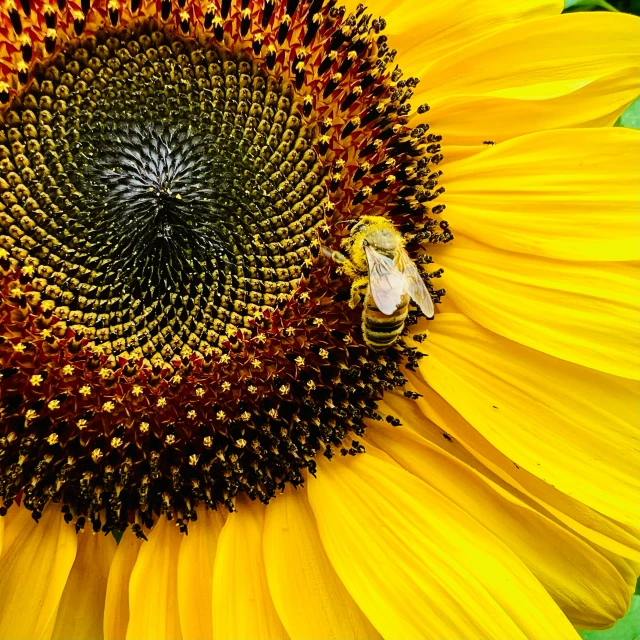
[213, 219]
[172, 333]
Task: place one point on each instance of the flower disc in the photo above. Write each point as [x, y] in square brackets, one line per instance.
[172, 332]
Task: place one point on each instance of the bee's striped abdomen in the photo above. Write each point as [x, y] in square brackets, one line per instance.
[380, 330]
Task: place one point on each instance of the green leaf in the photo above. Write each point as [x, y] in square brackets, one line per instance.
[587, 5]
[628, 628]
[631, 117]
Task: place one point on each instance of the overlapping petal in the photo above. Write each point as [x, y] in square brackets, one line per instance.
[465, 119]
[310, 599]
[583, 312]
[195, 575]
[81, 610]
[573, 427]
[434, 29]
[586, 586]
[34, 567]
[418, 565]
[569, 195]
[569, 76]
[153, 602]
[116, 608]
[619, 543]
[242, 604]
[538, 59]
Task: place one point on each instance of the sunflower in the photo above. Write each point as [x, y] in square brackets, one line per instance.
[182, 361]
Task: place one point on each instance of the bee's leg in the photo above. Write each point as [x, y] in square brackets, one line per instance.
[346, 266]
[336, 256]
[346, 242]
[341, 258]
[358, 289]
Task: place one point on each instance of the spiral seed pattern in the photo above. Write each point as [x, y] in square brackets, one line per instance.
[172, 333]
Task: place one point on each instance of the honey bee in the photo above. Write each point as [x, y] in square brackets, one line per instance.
[385, 275]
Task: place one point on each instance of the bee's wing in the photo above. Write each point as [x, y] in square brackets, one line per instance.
[385, 281]
[414, 284]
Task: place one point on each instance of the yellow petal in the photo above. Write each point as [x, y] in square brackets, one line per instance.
[81, 610]
[48, 631]
[600, 531]
[116, 608]
[195, 575]
[546, 58]
[585, 585]
[242, 606]
[453, 153]
[470, 120]
[153, 602]
[309, 597]
[34, 567]
[619, 544]
[570, 194]
[583, 312]
[420, 567]
[430, 29]
[573, 427]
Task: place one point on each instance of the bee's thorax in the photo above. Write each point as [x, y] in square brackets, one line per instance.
[384, 241]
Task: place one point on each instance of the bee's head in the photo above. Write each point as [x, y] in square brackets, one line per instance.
[369, 224]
